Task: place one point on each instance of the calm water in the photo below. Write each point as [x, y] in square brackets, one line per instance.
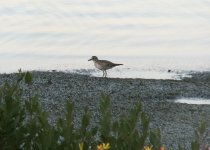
[197, 101]
[148, 36]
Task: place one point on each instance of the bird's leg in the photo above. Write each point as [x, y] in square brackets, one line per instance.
[105, 73]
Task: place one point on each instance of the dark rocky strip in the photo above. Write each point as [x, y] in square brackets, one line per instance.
[176, 121]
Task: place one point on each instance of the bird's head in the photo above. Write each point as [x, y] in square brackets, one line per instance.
[93, 58]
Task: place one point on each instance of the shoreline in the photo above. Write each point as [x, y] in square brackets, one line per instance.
[177, 121]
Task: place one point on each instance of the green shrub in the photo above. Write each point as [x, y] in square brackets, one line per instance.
[12, 116]
[123, 133]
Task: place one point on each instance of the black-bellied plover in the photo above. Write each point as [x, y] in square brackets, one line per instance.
[103, 64]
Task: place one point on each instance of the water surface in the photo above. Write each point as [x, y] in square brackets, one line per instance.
[148, 37]
[197, 101]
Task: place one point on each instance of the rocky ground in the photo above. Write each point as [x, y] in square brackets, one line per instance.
[176, 121]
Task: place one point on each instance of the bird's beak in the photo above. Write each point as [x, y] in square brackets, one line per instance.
[90, 59]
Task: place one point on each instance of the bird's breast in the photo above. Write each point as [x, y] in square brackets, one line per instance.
[97, 65]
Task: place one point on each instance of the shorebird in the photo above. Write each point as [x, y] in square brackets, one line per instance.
[103, 64]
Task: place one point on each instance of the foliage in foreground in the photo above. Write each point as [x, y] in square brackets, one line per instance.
[24, 125]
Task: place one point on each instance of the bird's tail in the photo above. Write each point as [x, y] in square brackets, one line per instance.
[117, 64]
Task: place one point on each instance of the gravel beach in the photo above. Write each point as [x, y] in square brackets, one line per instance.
[176, 121]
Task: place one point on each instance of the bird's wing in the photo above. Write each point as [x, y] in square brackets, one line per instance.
[107, 63]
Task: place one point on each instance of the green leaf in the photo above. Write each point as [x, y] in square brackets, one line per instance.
[195, 145]
[105, 119]
[202, 128]
[155, 139]
[94, 131]
[28, 78]
[181, 148]
[85, 119]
